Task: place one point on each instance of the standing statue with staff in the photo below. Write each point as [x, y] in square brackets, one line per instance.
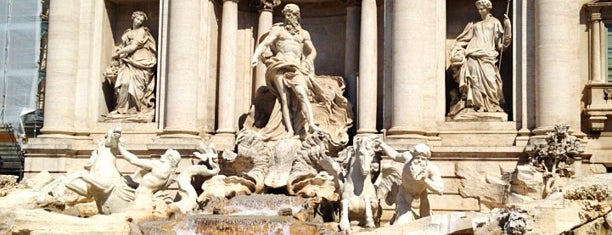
[474, 58]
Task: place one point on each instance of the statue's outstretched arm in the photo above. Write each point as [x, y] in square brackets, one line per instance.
[134, 160]
[391, 153]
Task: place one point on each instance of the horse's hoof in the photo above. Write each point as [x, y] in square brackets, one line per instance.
[345, 227]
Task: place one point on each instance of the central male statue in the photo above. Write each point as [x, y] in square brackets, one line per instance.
[290, 71]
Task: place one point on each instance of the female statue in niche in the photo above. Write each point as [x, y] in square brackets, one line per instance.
[473, 62]
[132, 73]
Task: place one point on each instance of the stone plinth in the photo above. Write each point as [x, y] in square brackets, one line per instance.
[484, 134]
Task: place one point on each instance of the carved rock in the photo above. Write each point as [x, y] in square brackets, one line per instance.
[527, 181]
[487, 182]
[7, 184]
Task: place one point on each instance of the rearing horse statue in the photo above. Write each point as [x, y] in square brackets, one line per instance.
[360, 195]
[101, 180]
[358, 192]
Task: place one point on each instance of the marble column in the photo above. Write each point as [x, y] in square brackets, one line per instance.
[557, 75]
[227, 69]
[368, 69]
[264, 26]
[412, 60]
[181, 117]
[596, 71]
[351, 50]
[62, 62]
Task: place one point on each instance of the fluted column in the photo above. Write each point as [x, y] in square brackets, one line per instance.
[557, 76]
[412, 60]
[227, 68]
[351, 50]
[596, 47]
[264, 26]
[62, 62]
[181, 116]
[368, 69]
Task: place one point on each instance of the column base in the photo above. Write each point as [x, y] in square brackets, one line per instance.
[365, 131]
[401, 138]
[542, 130]
[184, 143]
[179, 131]
[406, 131]
[58, 131]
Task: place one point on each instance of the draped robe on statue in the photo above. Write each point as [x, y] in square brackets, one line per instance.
[135, 77]
[331, 110]
[474, 57]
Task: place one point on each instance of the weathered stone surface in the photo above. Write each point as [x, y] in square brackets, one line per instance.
[528, 182]
[609, 219]
[217, 224]
[38, 181]
[453, 203]
[20, 198]
[582, 200]
[590, 169]
[460, 222]
[7, 184]
[8, 218]
[484, 181]
[597, 226]
[39, 221]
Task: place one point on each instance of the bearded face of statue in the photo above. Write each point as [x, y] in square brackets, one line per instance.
[418, 166]
[292, 21]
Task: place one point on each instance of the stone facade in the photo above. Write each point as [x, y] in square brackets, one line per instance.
[393, 55]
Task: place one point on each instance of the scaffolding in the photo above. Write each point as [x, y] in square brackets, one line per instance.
[22, 28]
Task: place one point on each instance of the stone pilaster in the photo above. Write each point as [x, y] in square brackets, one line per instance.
[351, 50]
[227, 69]
[596, 72]
[368, 69]
[62, 62]
[264, 25]
[183, 68]
[557, 76]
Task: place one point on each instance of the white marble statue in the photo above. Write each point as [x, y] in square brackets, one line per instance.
[295, 117]
[100, 180]
[474, 57]
[132, 72]
[360, 199]
[155, 175]
[419, 176]
[290, 71]
[208, 166]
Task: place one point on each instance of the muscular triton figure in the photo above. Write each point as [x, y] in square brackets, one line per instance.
[418, 177]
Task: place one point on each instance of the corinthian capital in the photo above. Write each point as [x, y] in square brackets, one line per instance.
[351, 2]
[269, 4]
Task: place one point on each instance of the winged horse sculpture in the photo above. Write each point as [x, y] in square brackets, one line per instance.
[361, 189]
